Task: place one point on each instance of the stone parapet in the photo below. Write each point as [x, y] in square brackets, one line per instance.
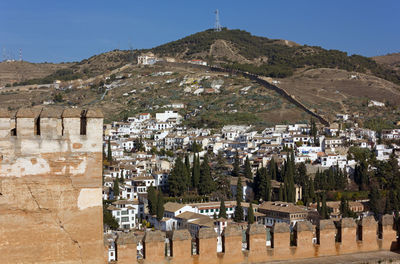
[281, 249]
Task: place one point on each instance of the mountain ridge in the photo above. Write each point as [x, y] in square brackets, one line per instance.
[236, 49]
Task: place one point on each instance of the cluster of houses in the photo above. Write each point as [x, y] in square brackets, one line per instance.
[144, 148]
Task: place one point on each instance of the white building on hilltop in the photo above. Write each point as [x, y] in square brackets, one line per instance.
[147, 59]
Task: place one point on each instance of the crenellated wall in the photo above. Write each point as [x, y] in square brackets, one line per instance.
[50, 186]
[373, 237]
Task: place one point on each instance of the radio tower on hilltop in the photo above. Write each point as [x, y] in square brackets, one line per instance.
[217, 26]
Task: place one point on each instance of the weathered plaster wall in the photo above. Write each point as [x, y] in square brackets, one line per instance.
[50, 187]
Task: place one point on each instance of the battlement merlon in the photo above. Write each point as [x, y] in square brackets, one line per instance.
[43, 130]
[51, 123]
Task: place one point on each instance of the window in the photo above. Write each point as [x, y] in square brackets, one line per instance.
[125, 219]
[83, 123]
[118, 213]
[201, 211]
[37, 126]
[212, 210]
[124, 212]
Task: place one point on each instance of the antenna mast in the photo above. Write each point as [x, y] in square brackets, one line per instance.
[217, 26]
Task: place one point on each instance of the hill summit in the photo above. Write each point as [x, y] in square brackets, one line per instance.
[269, 57]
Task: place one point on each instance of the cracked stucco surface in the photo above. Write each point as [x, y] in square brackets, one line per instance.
[50, 199]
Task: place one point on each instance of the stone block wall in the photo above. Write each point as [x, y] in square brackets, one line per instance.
[373, 236]
[50, 186]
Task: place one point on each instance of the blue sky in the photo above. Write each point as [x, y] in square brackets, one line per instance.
[56, 30]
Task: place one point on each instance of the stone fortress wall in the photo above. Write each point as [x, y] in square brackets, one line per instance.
[344, 238]
[51, 186]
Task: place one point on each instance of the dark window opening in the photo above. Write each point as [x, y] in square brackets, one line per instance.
[14, 132]
[83, 123]
[359, 232]
[37, 126]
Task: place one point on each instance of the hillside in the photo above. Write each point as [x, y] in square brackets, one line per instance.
[326, 81]
[331, 91]
[269, 57]
[134, 89]
[392, 59]
[17, 71]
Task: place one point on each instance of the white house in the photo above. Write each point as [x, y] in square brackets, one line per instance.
[127, 213]
[160, 178]
[163, 117]
[333, 160]
[383, 152]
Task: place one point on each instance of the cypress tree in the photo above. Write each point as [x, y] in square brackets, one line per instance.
[187, 162]
[257, 180]
[222, 210]
[280, 196]
[152, 200]
[116, 188]
[206, 184]
[273, 169]
[301, 175]
[285, 186]
[306, 195]
[388, 204]
[177, 179]
[247, 169]
[121, 179]
[238, 217]
[250, 215]
[160, 206]
[187, 173]
[109, 152]
[343, 207]
[313, 131]
[291, 192]
[331, 179]
[374, 198]
[268, 188]
[196, 172]
[239, 190]
[312, 189]
[263, 183]
[236, 165]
